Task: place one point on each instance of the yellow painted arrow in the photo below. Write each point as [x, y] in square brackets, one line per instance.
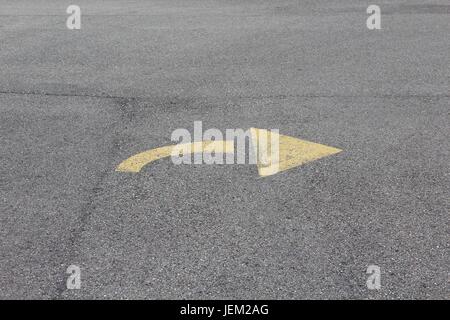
[292, 152]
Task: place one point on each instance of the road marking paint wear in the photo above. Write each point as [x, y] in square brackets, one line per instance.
[292, 152]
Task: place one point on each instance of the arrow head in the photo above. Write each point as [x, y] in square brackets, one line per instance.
[290, 152]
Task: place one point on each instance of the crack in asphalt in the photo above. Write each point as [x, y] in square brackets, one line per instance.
[88, 208]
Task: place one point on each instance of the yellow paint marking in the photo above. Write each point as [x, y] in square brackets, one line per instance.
[138, 161]
[292, 152]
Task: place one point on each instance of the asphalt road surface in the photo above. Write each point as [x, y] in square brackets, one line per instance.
[75, 103]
